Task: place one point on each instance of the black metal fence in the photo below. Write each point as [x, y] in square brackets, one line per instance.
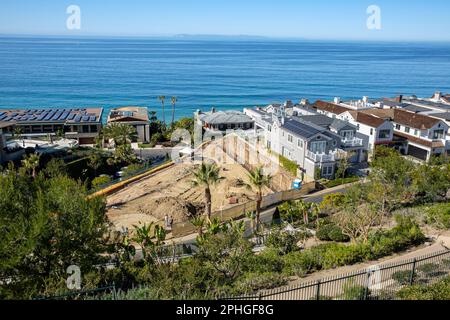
[379, 282]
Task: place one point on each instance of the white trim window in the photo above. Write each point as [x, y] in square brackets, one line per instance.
[327, 171]
[300, 143]
[318, 147]
[290, 138]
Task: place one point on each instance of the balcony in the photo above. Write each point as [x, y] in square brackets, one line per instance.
[354, 142]
[320, 157]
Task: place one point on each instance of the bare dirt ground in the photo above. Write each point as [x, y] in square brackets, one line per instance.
[171, 192]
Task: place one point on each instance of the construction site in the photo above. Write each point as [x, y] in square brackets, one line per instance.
[171, 191]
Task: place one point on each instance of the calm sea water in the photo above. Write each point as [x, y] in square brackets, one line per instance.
[62, 72]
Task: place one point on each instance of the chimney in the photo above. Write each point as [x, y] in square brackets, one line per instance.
[400, 98]
[337, 100]
[213, 110]
[304, 102]
[437, 96]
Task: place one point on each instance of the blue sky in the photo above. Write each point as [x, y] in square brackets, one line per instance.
[317, 19]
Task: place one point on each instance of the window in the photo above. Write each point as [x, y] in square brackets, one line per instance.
[416, 132]
[384, 134]
[357, 126]
[318, 147]
[290, 139]
[85, 128]
[438, 134]
[327, 171]
[94, 128]
[371, 131]
[397, 127]
[268, 145]
[269, 128]
[300, 143]
[407, 129]
[347, 134]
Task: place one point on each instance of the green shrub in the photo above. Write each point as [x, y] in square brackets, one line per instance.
[100, 181]
[289, 165]
[339, 181]
[402, 277]
[132, 169]
[267, 261]
[428, 269]
[284, 242]
[331, 232]
[438, 215]
[252, 282]
[436, 291]
[354, 292]
[301, 263]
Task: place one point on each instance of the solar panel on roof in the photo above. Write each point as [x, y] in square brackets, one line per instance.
[92, 118]
[64, 116]
[2, 116]
[77, 118]
[7, 119]
[49, 116]
[42, 116]
[71, 116]
[57, 115]
[85, 118]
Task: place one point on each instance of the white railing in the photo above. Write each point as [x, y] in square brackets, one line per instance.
[316, 157]
[354, 142]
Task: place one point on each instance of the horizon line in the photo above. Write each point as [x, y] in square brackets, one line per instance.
[216, 37]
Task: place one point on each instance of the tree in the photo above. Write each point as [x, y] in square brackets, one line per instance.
[225, 251]
[199, 223]
[207, 175]
[55, 168]
[174, 101]
[31, 163]
[162, 99]
[343, 165]
[357, 221]
[95, 161]
[120, 133]
[258, 180]
[47, 225]
[305, 209]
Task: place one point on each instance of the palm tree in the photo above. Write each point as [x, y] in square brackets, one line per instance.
[143, 237]
[174, 101]
[95, 162]
[304, 208]
[120, 133]
[31, 162]
[162, 98]
[258, 180]
[199, 223]
[206, 176]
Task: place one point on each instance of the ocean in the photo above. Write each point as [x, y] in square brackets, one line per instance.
[227, 74]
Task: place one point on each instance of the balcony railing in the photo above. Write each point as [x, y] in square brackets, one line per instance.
[331, 157]
[354, 142]
[320, 157]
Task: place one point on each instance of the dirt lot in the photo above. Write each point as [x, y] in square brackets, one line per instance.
[171, 192]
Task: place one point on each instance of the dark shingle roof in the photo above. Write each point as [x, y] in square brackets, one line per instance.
[300, 129]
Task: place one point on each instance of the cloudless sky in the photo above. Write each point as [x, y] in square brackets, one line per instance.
[313, 19]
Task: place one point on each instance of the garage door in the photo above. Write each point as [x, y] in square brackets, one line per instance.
[417, 152]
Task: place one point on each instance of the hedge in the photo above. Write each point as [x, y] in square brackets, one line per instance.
[289, 165]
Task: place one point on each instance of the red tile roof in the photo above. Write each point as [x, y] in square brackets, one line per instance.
[403, 117]
[367, 119]
[329, 107]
